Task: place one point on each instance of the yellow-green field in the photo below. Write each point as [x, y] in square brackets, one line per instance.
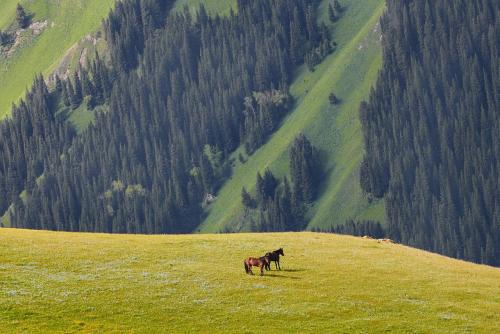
[67, 282]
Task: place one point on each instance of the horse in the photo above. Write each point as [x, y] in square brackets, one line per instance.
[260, 262]
[274, 256]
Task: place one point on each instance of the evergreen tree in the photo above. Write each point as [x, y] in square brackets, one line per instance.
[22, 19]
[247, 199]
[337, 6]
[333, 99]
[331, 13]
[304, 169]
[5, 38]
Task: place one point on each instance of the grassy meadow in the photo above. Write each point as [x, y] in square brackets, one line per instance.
[54, 282]
[335, 130]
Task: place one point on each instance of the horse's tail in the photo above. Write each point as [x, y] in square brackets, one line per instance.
[246, 266]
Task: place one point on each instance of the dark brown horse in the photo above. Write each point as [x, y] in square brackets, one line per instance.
[274, 257]
[260, 262]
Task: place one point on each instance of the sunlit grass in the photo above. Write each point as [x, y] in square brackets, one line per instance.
[67, 282]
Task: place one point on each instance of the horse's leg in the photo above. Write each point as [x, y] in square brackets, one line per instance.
[276, 264]
[250, 269]
[279, 266]
[261, 270]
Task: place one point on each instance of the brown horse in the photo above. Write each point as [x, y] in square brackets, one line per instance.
[260, 262]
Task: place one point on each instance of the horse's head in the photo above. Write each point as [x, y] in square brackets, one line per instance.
[280, 251]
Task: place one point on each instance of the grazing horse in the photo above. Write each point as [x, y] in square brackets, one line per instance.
[275, 257]
[260, 262]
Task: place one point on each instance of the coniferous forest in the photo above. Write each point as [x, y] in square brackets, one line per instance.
[182, 92]
[432, 127]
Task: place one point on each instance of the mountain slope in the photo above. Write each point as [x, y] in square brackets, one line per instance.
[350, 72]
[67, 22]
[70, 282]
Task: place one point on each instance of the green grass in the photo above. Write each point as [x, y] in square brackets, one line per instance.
[81, 117]
[5, 219]
[72, 19]
[350, 72]
[7, 12]
[53, 282]
[212, 6]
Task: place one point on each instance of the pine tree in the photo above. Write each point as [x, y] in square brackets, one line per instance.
[331, 13]
[22, 19]
[247, 199]
[304, 169]
[333, 99]
[337, 6]
[5, 38]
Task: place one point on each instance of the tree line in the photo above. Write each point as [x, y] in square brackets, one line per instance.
[432, 127]
[359, 228]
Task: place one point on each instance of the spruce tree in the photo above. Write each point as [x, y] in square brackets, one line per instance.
[22, 19]
[247, 199]
[331, 13]
[337, 6]
[333, 99]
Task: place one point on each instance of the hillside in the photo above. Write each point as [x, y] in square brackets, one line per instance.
[64, 282]
[350, 72]
[67, 22]
[163, 120]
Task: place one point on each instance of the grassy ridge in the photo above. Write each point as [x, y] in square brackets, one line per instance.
[71, 19]
[69, 282]
[350, 72]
